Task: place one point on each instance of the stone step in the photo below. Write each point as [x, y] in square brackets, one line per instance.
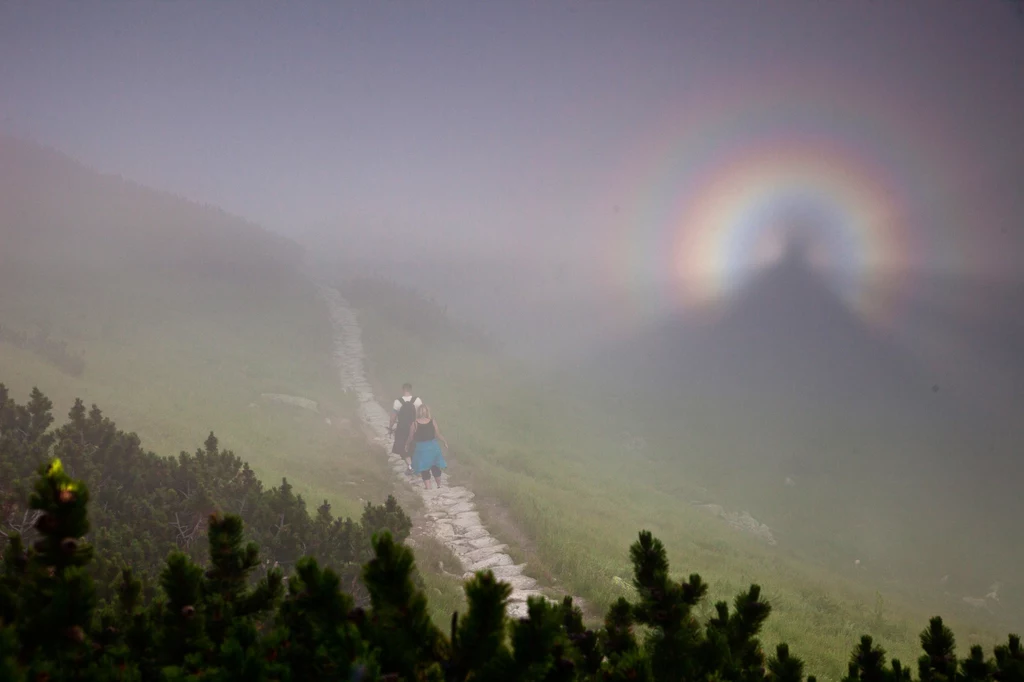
[501, 572]
[520, 582]
[444, 532]
[469, 532]
[492, 561]
[474, 555]
[485, 541]
[461, 507]
[466, 520]
[523, 595]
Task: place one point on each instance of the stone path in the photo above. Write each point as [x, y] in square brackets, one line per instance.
[451, 515]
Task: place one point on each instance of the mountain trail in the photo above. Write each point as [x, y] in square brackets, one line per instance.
[451, 516]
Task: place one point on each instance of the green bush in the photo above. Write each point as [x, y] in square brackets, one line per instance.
[223, 623]
[145, 506]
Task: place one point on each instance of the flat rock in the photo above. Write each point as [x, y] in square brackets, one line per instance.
[461, 508]
[502, 572]
[485, 541]
[481, 554]
[520, 582]
[459, 492]
[472, 532]
[467, 519]
[491, 561]
[444, 531]
[523, 595]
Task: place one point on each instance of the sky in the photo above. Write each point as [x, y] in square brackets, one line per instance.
[553, 128]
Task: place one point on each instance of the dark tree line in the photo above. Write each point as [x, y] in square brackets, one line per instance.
[222, 622]
[139, 567]
[145, 506]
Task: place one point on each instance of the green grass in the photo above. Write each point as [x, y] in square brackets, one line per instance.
[173, 358]
[442, 578]
[184, 315]
[553, 484]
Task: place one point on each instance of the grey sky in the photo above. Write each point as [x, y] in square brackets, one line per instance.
[483, 119]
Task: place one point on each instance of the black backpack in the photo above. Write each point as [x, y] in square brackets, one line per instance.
[407, 412]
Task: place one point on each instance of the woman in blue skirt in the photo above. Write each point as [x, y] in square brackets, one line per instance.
[427, 458]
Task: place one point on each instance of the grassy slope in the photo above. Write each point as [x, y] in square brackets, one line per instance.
[191, 357]
[573, 504]
[176, 358]
[184, 316]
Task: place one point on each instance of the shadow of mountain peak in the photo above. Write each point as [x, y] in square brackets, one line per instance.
[788, 335]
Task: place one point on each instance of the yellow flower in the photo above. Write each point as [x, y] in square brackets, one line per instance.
[67, 492]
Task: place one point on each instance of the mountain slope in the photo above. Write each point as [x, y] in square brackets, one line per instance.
[889, 449]
[790, 345]
[54, 206]
[176, 317]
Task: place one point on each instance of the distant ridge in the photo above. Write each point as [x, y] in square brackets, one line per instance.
[51, 204]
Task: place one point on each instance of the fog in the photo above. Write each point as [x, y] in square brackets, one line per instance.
[782, 239]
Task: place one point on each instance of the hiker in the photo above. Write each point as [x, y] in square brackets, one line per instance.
[403, 414]
[427, 458]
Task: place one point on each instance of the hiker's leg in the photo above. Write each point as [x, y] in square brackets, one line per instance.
[436, 470]
[426, 479]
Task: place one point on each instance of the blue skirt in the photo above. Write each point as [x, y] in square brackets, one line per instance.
[427, 454]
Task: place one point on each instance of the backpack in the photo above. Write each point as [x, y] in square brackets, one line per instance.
[407, 413]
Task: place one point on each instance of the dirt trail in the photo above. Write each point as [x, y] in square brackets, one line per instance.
[452, 517]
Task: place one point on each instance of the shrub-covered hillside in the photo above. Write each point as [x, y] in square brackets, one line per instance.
[144, 506]
[177, 318]
[220, 624]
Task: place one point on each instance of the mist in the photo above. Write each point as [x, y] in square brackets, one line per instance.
[781, 242]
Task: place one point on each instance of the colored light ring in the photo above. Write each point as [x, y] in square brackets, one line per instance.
[735, 220]
[710, 187]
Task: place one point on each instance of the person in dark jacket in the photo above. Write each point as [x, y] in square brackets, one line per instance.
[403, 414]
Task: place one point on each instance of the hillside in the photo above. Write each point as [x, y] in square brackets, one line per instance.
[177, 318]
[145, 506]
[55, 208]
[564, 478]
[238, 620]
[849, 442]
